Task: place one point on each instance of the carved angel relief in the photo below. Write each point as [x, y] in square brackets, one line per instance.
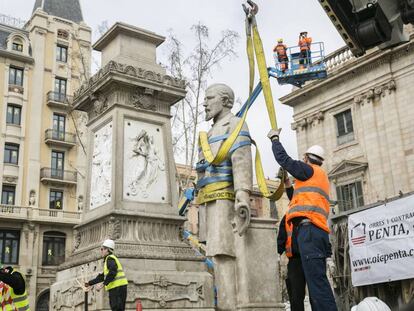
[149, 162]
[144, 163]
[101, 176]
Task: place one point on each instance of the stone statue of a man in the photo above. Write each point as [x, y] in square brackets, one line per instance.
[228, 185]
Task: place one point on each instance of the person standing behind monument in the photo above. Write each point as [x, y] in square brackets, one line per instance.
[308, 212]
[17, 298]
[232, 182]
[113, 277]
[295, 281]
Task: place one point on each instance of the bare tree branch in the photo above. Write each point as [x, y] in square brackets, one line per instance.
[195, 66]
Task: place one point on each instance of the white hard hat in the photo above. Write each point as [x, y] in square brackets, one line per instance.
[109, 244]
[317, 151]
[371, 304]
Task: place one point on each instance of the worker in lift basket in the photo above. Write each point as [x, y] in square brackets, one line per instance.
[305, 49]
[281, 50]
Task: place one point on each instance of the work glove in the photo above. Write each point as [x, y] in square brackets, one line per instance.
[274, 134]
[281, 173]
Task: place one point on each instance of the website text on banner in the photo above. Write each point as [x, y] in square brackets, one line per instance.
[381, 243]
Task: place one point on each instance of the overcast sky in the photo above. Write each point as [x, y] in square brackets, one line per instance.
[276, 19]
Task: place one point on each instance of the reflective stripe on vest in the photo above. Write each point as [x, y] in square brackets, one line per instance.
[310, 200]
[309, 208]
[19, 302]
[120, 279]
[312, 189]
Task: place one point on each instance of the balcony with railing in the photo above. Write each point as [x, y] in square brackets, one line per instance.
[337, 59]
[59, 100]
[56, 216]
[58, 138]
[11, 21]
[56, 176]
[13, 211]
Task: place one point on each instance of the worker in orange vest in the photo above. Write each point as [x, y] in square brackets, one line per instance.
[307, 219]
[305, 47]
[281, 50]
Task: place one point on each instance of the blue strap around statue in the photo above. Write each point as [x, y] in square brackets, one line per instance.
[219, 169]
[213, 179]
[202, 166]
[238, 145]
[225, 136]
[224, 167]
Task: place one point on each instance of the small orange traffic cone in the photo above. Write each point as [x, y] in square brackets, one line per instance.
[139, 304]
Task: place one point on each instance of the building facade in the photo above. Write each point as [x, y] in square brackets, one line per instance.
[362, 116]
[42, 164]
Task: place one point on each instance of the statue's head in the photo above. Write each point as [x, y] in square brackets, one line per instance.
[218, 101]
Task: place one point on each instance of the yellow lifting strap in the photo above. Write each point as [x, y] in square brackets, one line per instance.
[264, 77]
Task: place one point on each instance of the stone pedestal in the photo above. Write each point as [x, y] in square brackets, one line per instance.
[257, 268]
[132, 193]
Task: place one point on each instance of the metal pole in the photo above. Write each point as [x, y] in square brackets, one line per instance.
[86, 301]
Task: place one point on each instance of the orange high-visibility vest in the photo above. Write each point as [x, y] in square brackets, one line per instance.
[311, 200]
[280, 49]
[305, 43]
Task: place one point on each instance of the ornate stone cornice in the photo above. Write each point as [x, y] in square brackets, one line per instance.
[128, 70]
[378, 91]
[310, 120]
[10, 179]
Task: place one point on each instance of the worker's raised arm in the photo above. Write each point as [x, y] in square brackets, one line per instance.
[298, 169]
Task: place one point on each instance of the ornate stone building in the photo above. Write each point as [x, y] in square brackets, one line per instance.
[42, 159]
[362, 115]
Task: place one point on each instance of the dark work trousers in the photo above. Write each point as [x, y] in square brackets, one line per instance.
[284, 63]
[304, 57]
[296, 284]
[117, 298]
[314, 247]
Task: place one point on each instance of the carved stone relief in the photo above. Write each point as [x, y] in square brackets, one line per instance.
[80, 203]
[144, 100]
[101, 173]
[100, 104]
[163, 291]
[32, 197]
[71, 297]
[145, 178]
[10, 179]
[114, 228]
[76, 239]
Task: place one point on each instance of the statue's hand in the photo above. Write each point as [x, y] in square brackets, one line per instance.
[241, 218]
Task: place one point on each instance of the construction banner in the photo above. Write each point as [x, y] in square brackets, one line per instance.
[381, 242]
